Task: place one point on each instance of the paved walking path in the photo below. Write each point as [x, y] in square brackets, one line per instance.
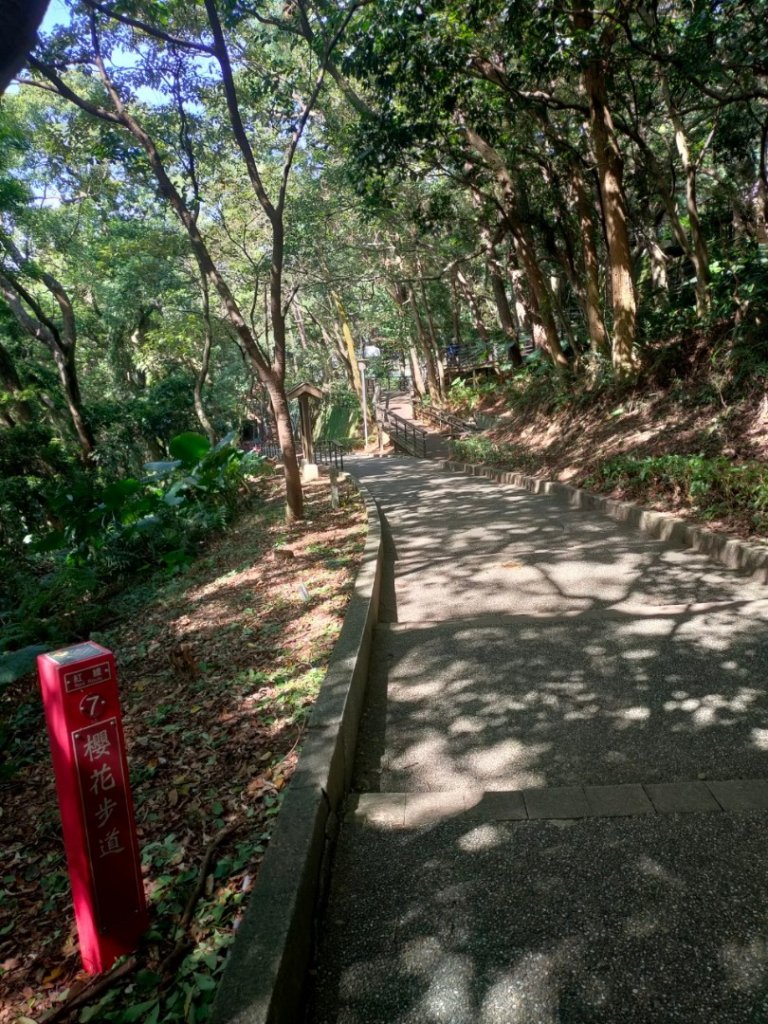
[560, 812]
[437, 440]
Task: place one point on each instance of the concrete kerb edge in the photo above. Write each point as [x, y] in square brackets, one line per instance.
[718, 547]
[267, 965]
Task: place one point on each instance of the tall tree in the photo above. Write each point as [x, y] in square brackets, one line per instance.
[189, 37]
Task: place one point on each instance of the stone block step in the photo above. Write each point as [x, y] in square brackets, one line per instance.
[416, 810]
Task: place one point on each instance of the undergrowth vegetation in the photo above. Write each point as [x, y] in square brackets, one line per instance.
[706, 383]
[712, 488]
[219, 664]
[70, 538]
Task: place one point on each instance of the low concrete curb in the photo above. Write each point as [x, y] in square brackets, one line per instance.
[264, 977]
[729, 551]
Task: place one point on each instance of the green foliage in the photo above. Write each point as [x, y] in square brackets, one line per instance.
[131, 428]
[483, 450]
[740, 288]
[714, 488]
[189, 448]
[467, 396]
[106, 532]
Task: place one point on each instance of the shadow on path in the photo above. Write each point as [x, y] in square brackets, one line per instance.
[535, 646]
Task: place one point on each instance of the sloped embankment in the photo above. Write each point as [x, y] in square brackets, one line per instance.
[673, 450]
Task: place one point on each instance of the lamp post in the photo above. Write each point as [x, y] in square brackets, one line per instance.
[364, 399]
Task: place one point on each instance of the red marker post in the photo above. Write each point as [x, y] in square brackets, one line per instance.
[82, 712]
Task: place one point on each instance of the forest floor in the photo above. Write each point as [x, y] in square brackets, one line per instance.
[218, 666]
[619, 444]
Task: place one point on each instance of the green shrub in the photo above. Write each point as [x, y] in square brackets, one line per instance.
[712, 487]
[482, 450]
[106, 532]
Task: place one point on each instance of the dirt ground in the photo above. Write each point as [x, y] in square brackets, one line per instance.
[569, 444]
[218, 669]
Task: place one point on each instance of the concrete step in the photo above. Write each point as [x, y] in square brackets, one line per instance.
[629, 800]
[639, 920]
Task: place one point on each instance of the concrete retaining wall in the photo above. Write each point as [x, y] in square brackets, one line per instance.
[264, 977]
[735, 554]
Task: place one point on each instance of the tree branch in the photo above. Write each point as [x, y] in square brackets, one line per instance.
[149, 30]
[39, 326]
[60, 86]
[327, 51]
[221, 54]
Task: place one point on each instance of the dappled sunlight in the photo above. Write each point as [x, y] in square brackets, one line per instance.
[502, 923]
[545, 701]
[529, 551]
[530, 647]
[745, 964]
[448, 978]
[483, 837]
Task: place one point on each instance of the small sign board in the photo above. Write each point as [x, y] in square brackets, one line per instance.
[79, 686]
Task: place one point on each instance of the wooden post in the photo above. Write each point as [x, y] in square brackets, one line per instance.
[305, 393]
[82, 710]
[306, 428]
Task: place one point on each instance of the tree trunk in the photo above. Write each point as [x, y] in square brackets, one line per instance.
[202, 374]
[349, 343]
[540, 302]
[611, 169]
[60, 342]
[455, 311]
[522, 309]
[271, 371]
[598, 338]
[762, 213]
[699, 255]
[298, 319]
[665, 193]
[401, 298]
[506, 320]
[426, 348]
[200, 379]
[65, 364]
[418, 380]
[293, 493]
[474, 306]
[525, 248]
[658, 266]
[435, 346]
[20, 409]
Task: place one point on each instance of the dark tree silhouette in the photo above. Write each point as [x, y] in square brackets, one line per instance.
[20, 20]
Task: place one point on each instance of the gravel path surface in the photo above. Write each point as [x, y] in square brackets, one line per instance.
[529, 647]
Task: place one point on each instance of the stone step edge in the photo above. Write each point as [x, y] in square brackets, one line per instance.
[719, 547]
[415, 810]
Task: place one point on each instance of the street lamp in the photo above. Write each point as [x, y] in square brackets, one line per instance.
[364, 399]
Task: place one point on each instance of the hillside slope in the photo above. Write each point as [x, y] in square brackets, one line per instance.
[690, 444]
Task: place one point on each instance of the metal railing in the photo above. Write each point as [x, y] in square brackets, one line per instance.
[477, 353]
[271, 450]
[329, 453]
[405, 435]
[445, 420]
